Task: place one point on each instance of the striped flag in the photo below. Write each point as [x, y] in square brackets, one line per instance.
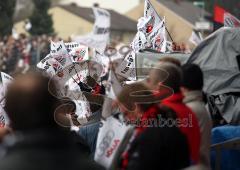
[230, 20]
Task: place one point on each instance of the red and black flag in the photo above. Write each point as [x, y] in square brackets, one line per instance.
[224, 18]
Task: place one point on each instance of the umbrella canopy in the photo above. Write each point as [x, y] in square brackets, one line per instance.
[217, 57]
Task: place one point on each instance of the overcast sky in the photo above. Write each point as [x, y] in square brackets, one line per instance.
[121, 6]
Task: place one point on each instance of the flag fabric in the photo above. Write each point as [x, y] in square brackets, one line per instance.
[195, 39]
[45, 65]
[151, 31]
[6, 80]
[230, 20]
[99, 37]
[157, 38]
[149, 11]
[221, 16]
[139, 42]
[101, 61]
[60, 53]
[112, 137]
[4, 120]
[127, 68]
[77, 51]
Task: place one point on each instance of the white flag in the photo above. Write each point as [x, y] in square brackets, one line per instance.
[4, 120]
[149, 11]
[151, 31]
[6, 80]
[111, 138]
[195, 39]
[114, 87]
[157, 38]
[127, 68]
[60, 53]
[55, 65]
[230, 20]
[77, 51]
[45, 65]
[138, 42]
[99, 37]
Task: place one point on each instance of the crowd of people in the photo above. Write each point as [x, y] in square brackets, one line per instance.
[170, 125]
[37, 136]
[22, 52]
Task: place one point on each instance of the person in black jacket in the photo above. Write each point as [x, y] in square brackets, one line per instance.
[164, 148]
[38, 142]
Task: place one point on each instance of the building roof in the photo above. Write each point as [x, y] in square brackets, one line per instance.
[185, 9]
[118, 21]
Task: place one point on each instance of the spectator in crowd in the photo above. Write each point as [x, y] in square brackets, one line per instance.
[165, 148]
[173, 80]
[192, 85]
[141, 109]
[39, 143]
[18, 54]
[170, 60]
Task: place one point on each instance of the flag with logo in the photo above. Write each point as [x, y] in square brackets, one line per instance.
[157, 38]
[127, 68]
[60, 53]
[149, 11]
[151, 31]
[140, 40]
[77, 51]
[45, 64]
[6, 80]
[112, 138]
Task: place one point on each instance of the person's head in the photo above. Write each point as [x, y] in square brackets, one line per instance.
[170, 60]
[65, 107]
[165, 74]
[163, 147]
[136, 98]
[192, 77]
[127, 102]
[29, 104]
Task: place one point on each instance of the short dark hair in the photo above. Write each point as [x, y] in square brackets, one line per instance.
[29, 103]
[174, 77]
[166, 147]
[171, 60]
[192, 77]
[125, 97]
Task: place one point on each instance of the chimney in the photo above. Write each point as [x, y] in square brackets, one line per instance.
[96, 5]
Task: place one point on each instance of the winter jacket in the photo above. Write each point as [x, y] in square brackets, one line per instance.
[193, 99]
[187, 122]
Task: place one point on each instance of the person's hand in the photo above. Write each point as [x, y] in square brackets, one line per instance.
[3, 132]
[180, 47]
